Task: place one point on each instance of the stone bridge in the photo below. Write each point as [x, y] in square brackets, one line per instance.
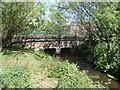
[42, 42]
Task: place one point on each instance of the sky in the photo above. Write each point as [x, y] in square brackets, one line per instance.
[48, 3]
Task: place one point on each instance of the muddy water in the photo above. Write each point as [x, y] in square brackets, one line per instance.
[95, 75]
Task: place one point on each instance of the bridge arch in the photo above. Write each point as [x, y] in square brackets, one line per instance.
[50, 51]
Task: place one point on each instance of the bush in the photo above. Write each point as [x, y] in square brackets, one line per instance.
[70, 77]
[106, 61]
[79, 80]
[101, 55]
[15, 77]
[62, 69]
[41, 56]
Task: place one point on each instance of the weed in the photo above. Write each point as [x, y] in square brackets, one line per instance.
[15, 77]
[70, 77]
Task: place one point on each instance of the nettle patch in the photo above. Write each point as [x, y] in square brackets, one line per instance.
[15, 77]
[70, 77]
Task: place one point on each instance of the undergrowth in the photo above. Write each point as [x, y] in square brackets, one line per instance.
[70, 77]
[15, 77]
[67, 74]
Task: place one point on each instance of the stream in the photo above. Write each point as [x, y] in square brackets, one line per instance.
[83, 64]
[95, 75]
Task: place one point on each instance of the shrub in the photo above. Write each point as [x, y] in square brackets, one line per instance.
[79, 80]
[101, 55]
[41, 56]
[15, 77]
[106, 60]
[62, 69]
[70, 77]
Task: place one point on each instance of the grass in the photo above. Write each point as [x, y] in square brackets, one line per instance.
[31, 69]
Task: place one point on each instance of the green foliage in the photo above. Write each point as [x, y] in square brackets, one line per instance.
[101, 54]
[78, 12]
[19, 18]
[70, 77]
[15, 77]
[62, 69]
[56, 22]
[107, 48]
[104, 49]
[107, 61]
[78, 80]
[41, 56]
[86, 51]
[67, 74]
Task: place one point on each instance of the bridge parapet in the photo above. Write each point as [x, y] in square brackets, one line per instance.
[41, 42]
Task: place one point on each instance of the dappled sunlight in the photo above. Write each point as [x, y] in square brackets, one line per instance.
[60, 45]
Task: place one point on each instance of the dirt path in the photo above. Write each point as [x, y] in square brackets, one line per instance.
[40, 79]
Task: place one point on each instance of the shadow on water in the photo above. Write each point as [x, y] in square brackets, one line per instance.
[50, 51]
[83, 64]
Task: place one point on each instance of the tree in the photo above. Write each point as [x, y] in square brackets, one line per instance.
[57, 18]
[107, 48]
[19, 18]
[105, 51]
